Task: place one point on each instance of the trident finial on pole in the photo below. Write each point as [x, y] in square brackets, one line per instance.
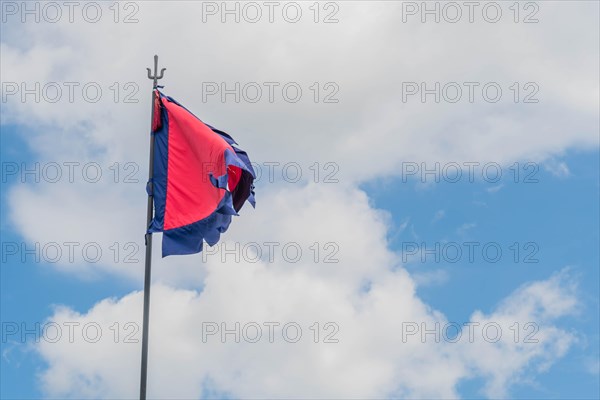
[156, 76]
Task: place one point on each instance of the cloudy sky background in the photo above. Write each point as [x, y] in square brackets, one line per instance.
[355, 200]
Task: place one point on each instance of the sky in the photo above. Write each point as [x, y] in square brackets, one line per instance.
[427, 218]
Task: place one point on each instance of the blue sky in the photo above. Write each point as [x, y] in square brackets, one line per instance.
[558, 213]
[385, 224]
[31, 289]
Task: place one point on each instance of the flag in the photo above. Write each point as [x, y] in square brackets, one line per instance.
[200, 179]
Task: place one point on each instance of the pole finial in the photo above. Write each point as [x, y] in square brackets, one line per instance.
[156, 75]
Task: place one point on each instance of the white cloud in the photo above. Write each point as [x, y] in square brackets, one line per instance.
[430, 278]
[368, 134]
[557, 168]
[494, 189]
[371, 130]
[371, 360]
[592, 365]
[465, 228]
[532, 307]
[439, 214]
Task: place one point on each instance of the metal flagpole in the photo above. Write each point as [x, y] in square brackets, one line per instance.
[148, 237]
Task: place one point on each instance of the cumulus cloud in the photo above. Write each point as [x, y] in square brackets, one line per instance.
[526, 317]
[369, 350]
[368, 134]
[369, 56]
[371, 108]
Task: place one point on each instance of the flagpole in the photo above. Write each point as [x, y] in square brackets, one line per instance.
[148, 238]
